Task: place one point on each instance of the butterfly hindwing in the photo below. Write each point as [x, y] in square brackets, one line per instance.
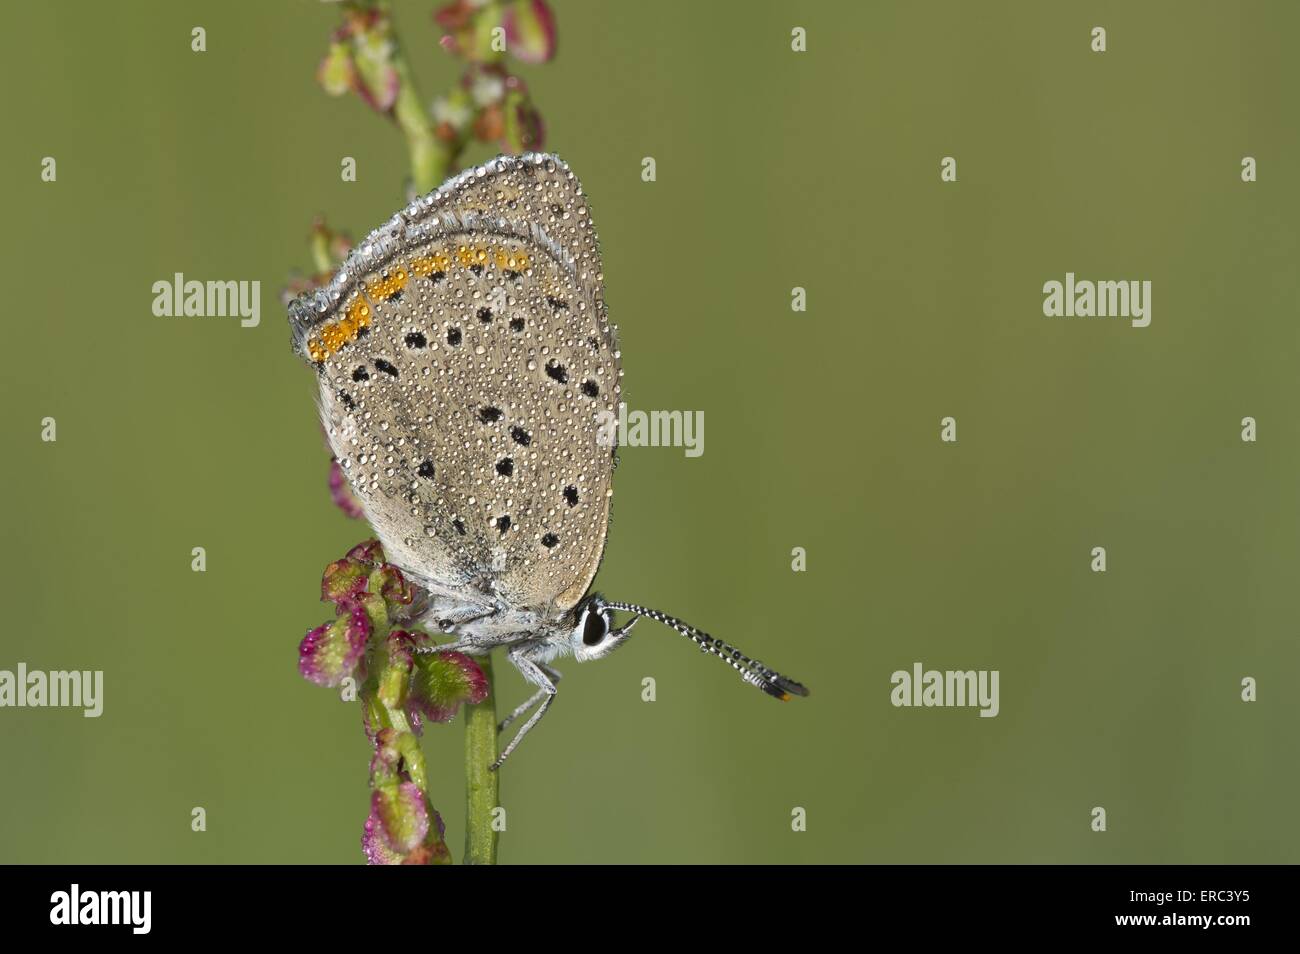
[468, 385]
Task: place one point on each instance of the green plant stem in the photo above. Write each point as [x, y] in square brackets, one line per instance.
[481, 792]
[432, 161]
[320, 252]
[431, 158]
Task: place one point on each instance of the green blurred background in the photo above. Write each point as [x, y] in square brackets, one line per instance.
[775, 169]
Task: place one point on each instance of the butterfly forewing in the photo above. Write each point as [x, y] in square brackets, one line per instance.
[467, 387]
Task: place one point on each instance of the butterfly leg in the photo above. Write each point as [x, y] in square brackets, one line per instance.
[532, 700]
[446, 619]
[466, 646]
[535, 673]
[450, 624]
[450, 627]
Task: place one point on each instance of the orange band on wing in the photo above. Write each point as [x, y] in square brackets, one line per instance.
[334, 335]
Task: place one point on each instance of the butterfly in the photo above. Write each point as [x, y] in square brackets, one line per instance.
[467, 370]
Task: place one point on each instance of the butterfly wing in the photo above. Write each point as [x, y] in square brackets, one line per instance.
[468, 380]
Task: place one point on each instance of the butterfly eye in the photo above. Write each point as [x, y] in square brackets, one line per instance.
[594, 628]
[595, 636]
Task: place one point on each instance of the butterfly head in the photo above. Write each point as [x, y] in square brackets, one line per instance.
[593, 635]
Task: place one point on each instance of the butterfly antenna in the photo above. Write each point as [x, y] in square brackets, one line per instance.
[751, 670]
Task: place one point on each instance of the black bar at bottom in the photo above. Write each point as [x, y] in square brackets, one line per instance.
[786, 905]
